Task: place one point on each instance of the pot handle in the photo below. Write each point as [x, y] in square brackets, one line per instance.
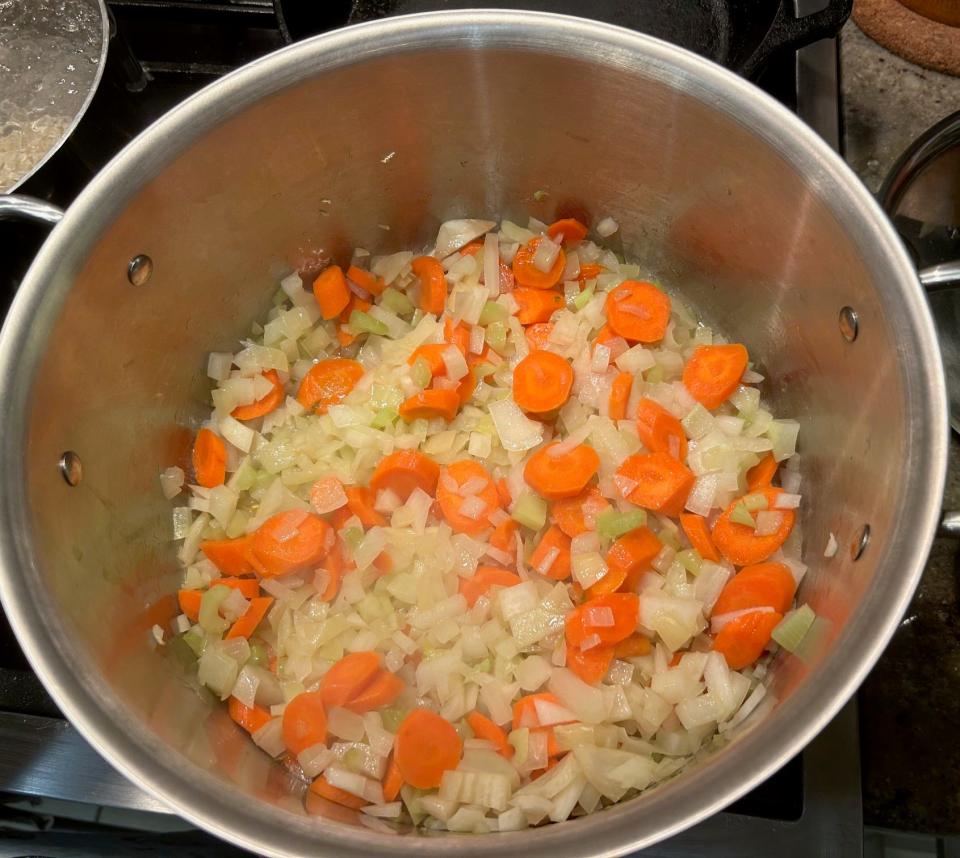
[789, 31]
[22, 207]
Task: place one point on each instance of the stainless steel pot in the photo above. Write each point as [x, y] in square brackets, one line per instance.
[406, 122]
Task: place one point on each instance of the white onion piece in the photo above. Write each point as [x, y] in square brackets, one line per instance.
[315, 759]
[516, 431]
[545, 254]
[171, 481]
[607, 227]
[455, 363]
[831, 549]
[786, 500]
[455, 234]
[768, 522]
[491, 265]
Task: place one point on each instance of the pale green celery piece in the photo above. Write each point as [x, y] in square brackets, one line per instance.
[364, 323]
[740, 515]
[393, 717]
[530, 511]
[210, 619]
[382, 396]
[654, 375]
[196, 640]
[612, 524]
[754, 502]
[420, 372]
[238, 524]
[246, 476]
[690, 560]
[520, 740]
[396, 301]
[482, 370]
[353, 760]
[384, 418]
[793, 628]
[258, 653]
[581, 300]
[497, 337]
[332, 651]
[493, 312]
[183, 652]
[352, 536]
[279, 298]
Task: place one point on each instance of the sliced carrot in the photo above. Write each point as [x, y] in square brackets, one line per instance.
[605, 334]
[457, 335]
[432, 353]
[525, 709]
[383, 563]
[451, 501]
[428, 404]
[763, 585]
[384, 690]
[590, 665]
[742, 640]
[656, 481]
[561, 476]
[328, 383]
[250, 587]
[348, 677]
[581, 623]
[360, 502]
[502, 537]
[304, 722]
[251, 718]
[570, 228]
[554, 538]
[632, 555]
[633, 646]
[426, 746]
[392, 780]
[209, 459]
[289, 541]
[535, 306]
[503, 489]
[230, 556]
[271, 402]
[740, 544]
[542, 382]
[330, 290]
[366, 280]
[484, 728]
[638, 311]
[333, 566]
[189, 601]
[483, 579]
[578, 514]
[527, 274]
[714, 372]
[344, 337]
[609, 583]
[620, 395]
[589, 271]
[466, 387]
[660, 431]
[695, 526]
[761, 475]
[246, 625]
[323, 788]
[538, 335]
[433, 284]
[404, 471]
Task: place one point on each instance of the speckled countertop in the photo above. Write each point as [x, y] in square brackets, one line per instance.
[910, 704]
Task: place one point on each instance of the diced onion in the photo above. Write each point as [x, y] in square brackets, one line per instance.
[831, 549]
[545, 254]
[607, 227]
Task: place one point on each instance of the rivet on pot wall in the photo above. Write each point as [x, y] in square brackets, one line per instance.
[139, 269]
[71, 468]
[849, 324]
[860, 542]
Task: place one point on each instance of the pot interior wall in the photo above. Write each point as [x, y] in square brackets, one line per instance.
[306, 172]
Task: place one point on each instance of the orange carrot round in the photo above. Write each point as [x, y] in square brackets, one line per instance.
[590, 665]
[632, 555]
[392, 780]
[328, 383]
[659, 430]
[451, 500]
[246, 625]
[589, 271]
[553, 538]
[741, 641]
[189, 601]
[620, 395]
[323, 788]
[230, 556]
[542, 382]
[638, 311]
[304, 722]
[289, 541]
[428, 404]
[561, 476]
[333, 566]
[250, 587]
[763, 585]
[570, 228]
[468, 384]
[624, 607]
[360, 501]
[483, 579]
[433, 284]
[527, 274]
[502, 537]
[366, 280]
[330, 290]
[656, 481]
[432, 353]
[404, 471]
[714, 372]
[577, 515]
[348, 678]
[457, 335]
[484, 728]
[209, 459]
[633, 646]
[271, 402]
[382, 691]
[695, 526]
[538, 335]
[426, 746]
[740, 544]
[536, 306]
[609, 583]
[762, 474]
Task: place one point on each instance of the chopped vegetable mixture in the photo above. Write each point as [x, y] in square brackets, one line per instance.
[489, 536]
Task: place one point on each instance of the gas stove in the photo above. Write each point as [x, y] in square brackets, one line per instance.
[162, 51]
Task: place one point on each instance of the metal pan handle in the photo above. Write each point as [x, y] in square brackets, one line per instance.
[22, 207]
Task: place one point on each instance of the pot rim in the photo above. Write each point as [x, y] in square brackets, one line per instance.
[224, 810]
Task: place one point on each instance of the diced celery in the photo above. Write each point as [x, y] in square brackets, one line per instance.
[520, 739]
[384, 418]
[238, 524]
[364, 323]
[196, 640]
[482, 370]
[530, 511]
[352, 536]
[741, 515]
[493, 312]
[582, 299]
[497, 337]
[612, 524]
[183, 651]
[396, 301]
[258, 653]
[384, 396]
[754, 502]
[690, 560]
[420, 372]
[654, 375]
[793, 628]
[698, 422]
[393, 717]
[210, 619]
